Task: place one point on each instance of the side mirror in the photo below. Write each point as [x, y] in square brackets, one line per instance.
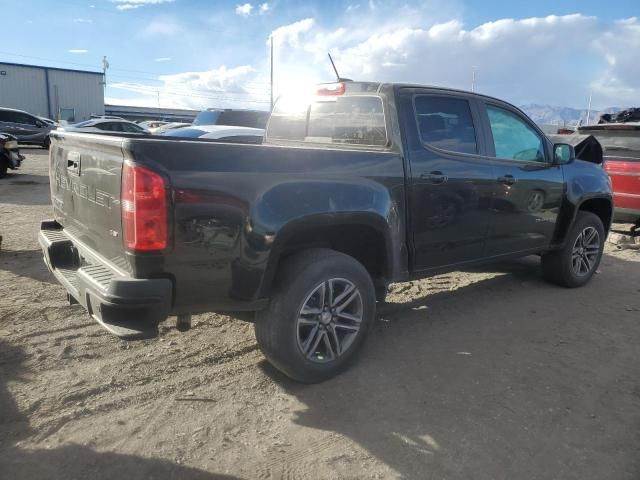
[563, 153]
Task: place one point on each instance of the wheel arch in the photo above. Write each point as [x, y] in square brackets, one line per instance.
[602, 206]
[364, 236]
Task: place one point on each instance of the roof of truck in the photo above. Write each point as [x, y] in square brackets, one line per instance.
[376, 86]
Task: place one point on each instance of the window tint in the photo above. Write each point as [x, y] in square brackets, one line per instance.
[132, 128]
[513, 138]
[352, 120]
[445, 122]
[243, 118]
[24, 119]
[6, 116]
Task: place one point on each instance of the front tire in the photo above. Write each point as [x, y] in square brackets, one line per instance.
[321, 310]
[575, 264]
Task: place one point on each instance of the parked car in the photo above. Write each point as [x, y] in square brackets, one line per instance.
[98, 125]
[48, 121]
[363, 185]
[170, 126]
[621, 145]
[27, 128]
[220, 132]
[151, 125]
[231, 117]
[10, 158]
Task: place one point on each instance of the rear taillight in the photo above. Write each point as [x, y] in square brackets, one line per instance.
[144, 209]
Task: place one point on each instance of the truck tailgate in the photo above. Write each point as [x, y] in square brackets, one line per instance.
[85, 176]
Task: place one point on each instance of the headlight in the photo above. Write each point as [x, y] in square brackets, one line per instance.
[11, 145]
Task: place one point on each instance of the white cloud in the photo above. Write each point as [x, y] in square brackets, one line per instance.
[620, 80]
[162, 27]
[219, 87]
[132, 4]
[77, 50]
[82, 20]
[162, 59]
[264, 8]
[244, 10]
[290, 34]
[553, 59]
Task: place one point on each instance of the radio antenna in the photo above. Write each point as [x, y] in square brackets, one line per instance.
[338, 77]
[334, 67]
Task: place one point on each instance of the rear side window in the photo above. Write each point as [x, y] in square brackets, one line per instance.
[513, 138]
[348, 120]
[446, 123]
[6, 116]
[243, 118]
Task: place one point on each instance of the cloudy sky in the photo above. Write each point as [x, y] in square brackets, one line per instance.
[198, 53]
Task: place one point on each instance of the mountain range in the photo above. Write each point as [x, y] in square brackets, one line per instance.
[563, 116]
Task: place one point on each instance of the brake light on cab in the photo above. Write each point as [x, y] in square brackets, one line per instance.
[144, 209]
[329, 89]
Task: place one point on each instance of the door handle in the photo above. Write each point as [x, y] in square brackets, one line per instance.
[507, 179]
[436, 178]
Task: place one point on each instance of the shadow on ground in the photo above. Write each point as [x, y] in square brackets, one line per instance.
[69, 462]
[490, 381]
[26, 263]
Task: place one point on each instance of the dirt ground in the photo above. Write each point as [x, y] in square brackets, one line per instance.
[485, 374]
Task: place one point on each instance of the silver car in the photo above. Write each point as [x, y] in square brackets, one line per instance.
[26, 127]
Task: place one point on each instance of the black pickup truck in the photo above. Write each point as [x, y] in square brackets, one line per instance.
[356, 186]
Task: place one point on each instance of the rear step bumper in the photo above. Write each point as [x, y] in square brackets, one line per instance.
[127, 307]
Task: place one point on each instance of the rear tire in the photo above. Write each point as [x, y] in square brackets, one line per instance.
[575, 264]
[321, 309]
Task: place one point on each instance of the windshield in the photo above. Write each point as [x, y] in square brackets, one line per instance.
[207, 117]
[351, 120]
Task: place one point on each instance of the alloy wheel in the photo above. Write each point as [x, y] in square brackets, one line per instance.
[585, 251]
[329, 320]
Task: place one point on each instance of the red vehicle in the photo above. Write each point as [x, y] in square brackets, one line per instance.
[621, 145]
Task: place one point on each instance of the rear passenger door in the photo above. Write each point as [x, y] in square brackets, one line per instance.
[528, 188]
[451, 178]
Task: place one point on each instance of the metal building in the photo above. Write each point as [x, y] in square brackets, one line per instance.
[56, 93]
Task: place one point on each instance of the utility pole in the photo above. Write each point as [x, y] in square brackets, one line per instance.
[473, 79]
[589, 106]
[271, 72]
[158, 92]
[105, 66]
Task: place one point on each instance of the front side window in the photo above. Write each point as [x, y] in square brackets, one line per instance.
[513, 138]
[446, 123]
[345, 120]
[24, 119]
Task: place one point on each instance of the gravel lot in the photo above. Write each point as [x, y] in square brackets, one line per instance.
[485, 374]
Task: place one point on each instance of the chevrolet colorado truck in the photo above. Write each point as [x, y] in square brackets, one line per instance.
[357, 185]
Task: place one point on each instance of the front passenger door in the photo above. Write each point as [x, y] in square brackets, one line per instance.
[528, 188]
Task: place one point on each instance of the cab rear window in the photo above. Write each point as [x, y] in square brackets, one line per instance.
[346, 120]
